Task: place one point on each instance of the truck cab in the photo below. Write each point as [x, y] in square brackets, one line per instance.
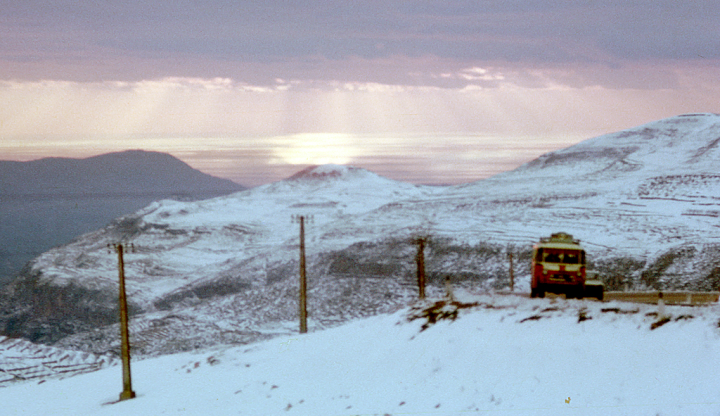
[558, 266]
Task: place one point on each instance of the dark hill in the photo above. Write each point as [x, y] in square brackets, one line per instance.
[48, 202]
[130, 172]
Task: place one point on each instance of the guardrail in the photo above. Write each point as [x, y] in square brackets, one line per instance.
[670, 298]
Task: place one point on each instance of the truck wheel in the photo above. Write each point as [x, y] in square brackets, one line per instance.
[573, 294]
[600, 295]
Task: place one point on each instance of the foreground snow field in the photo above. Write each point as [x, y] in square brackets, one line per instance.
[500, 355]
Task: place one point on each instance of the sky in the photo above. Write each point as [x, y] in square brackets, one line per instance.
[423, 91]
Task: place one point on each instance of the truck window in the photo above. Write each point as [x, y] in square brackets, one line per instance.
[563, 256]
[553, 257]
[539, 255]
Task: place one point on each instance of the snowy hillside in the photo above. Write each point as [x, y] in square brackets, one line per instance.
[22, 360]
[483, 355]
[645, 203]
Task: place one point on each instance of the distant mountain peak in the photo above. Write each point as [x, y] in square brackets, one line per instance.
[329, 171]
[675, 145]
[137, 155]
[124, 172]
[697, 115]
[51, 200]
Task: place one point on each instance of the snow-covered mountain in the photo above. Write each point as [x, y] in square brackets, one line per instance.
[650, 195]
[645, 202]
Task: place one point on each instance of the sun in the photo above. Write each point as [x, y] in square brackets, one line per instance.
[316, 149]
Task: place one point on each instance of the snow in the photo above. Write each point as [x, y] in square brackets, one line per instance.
[22, 360]
[178, 243]
[640, 194]
[500, 355]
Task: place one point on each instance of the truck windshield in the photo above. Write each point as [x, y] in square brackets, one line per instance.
[563, 256]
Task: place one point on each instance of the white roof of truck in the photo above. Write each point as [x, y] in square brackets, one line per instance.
[560, 240]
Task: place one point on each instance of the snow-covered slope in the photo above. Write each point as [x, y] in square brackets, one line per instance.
[21, 360]
[656, 165]
[486, 355]
[645, 202]
[188, 252]
[181, 246]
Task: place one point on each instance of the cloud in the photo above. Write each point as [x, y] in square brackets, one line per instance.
[472, 99]
[247, 89]
[442, 115]
[256, 42]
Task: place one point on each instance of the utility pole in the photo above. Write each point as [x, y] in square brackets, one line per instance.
[512, 271]
[303, 279]
[420, 259]
[127, 392]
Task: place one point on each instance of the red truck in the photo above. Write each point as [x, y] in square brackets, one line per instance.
[558, 266]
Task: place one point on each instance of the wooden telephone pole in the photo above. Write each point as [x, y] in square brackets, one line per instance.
[127, 392]
[512, 271]
[420, 259]
[303, 279]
